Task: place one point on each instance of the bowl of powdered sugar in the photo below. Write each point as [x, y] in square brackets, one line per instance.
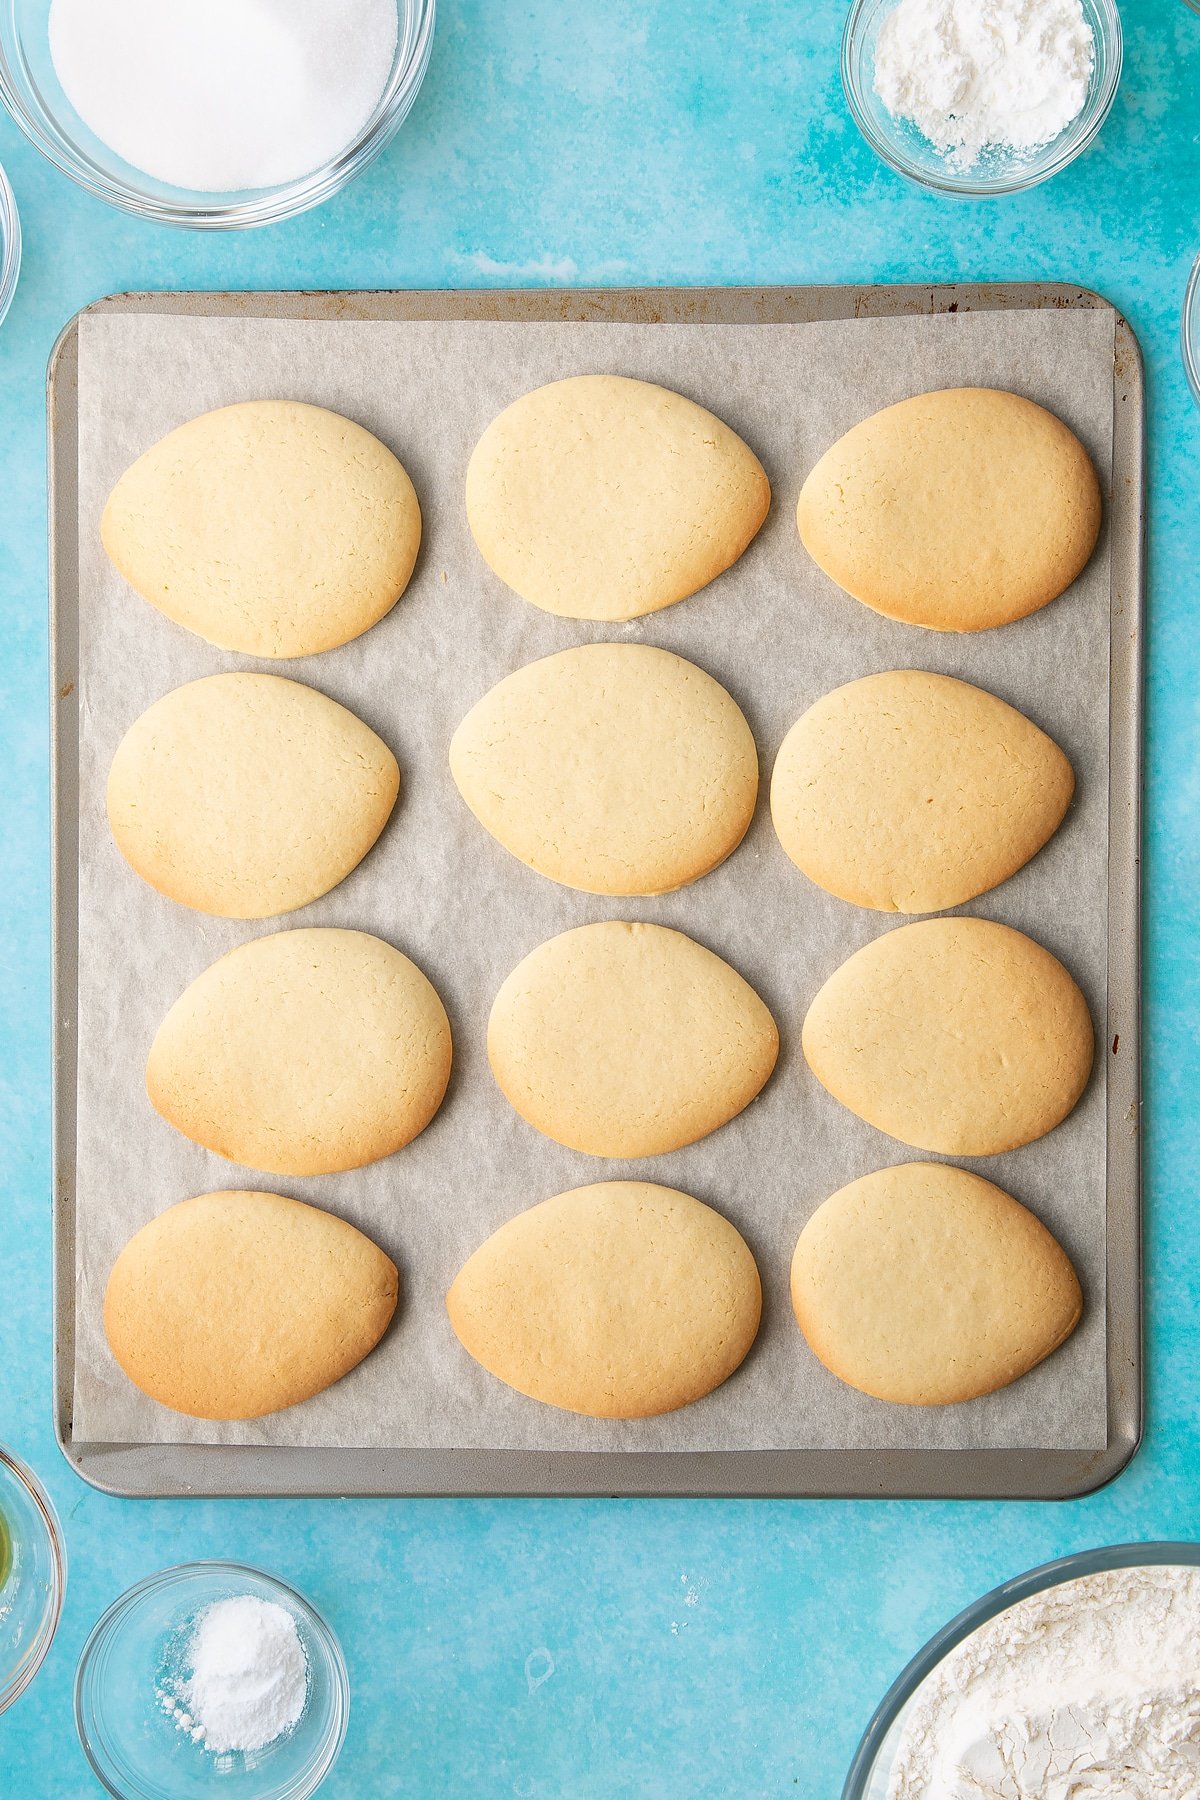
[213, 113]
[1082, 1677]
[980, 97]
[211, 1677]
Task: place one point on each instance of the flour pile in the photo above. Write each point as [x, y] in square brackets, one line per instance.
[1090, 1691]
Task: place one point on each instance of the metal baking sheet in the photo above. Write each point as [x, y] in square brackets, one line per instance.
[176, 1468]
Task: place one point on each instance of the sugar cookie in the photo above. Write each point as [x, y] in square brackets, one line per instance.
[628, 1040]
[303, 1053]
[924, 1284]
[269, 527]
[954, 1035]
[958, 510]
[604, 498]
[619, 1301]
[246, 795]
[232, 1305]
[614, 768]
[911, 792]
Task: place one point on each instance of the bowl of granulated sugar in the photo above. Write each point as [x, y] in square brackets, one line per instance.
[214, 114]
[212, 1676]
[981, 97]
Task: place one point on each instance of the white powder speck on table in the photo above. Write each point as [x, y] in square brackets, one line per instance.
[970, 74]
[1088, 1691]
[224, 95]
[248, 1676]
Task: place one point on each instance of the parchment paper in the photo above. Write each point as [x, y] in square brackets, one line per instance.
[778, 634]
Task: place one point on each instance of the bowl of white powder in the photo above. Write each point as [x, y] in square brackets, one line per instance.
[213, 114]
[211, 1676]
[1081, 1677]
[981, 97]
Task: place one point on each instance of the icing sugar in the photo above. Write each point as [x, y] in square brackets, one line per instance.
[970, 73]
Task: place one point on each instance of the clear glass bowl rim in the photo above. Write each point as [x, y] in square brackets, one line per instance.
[228, 212]
[10, 244]
[988, 1606]
[177, 1575]
[21, 1472]
[1075, 139]
[1190, 323]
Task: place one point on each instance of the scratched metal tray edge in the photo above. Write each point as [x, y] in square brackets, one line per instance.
[165, 1470]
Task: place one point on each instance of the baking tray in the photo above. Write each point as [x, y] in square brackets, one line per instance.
[178, 1470]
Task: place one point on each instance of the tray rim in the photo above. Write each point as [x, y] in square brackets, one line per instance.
[254, 1471]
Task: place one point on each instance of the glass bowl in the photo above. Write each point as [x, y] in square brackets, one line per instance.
[30, 89]
[997, 171]
[1191, 327]
[868, 1777]
[33, 1576]
[135, 1747]
[10, 245]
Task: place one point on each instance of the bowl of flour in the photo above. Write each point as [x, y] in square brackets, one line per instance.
[1081, 1677]
[981, 97]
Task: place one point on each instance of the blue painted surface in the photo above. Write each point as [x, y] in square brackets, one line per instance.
[697, 1649]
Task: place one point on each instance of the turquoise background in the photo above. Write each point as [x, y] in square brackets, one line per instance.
[699, 1649]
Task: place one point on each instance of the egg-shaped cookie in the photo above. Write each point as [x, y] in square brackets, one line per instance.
[247, 795]
[910, 792]
[270, 527]
[613, 768]
[957, 510]
[232, 1305]
[628, 1040]
[599, 497]
[303, 1053]
[954, 1035]
[926, 1285]
[619, 1301]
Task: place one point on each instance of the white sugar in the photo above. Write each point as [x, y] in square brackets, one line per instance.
[224, 95]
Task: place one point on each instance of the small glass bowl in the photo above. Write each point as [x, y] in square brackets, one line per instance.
[31, 91]
[135, 1747]
[997, 171]
[33, 1576]
[1191, 325]
[10, 245]
[873, 1760]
